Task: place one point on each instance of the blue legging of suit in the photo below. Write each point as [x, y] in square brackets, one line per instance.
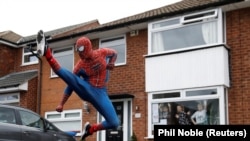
[98, 97]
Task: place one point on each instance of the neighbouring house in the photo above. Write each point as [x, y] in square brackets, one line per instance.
[188, 53]
[16, 80]
[20, 82]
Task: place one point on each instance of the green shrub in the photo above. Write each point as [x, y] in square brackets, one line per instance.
[133, 137]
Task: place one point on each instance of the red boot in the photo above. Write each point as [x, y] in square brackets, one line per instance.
[51, 60]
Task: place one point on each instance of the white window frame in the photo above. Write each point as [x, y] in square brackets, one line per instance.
[28, 54]
[6, 101]
[221, 96]
[111, 42]
[61, 117]
[62, 53]
[183, 23]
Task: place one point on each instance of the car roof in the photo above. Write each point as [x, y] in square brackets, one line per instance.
[17, 108]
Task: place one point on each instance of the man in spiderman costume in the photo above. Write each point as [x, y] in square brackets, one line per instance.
[88, 80]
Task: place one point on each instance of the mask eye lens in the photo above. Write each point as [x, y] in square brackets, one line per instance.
[80, 49]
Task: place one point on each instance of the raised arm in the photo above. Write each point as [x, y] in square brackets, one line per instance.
[111, 55]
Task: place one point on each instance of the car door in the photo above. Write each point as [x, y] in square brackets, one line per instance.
[10, 132]
[8, 129]
[33, 127]
[35, 134]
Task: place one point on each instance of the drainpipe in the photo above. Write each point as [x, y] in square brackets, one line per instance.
[38, 100]
[38, 106]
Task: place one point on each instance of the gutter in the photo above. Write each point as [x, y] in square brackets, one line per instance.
[6, 42]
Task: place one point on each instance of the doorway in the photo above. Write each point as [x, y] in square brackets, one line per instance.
[123, 132]
[116, 134]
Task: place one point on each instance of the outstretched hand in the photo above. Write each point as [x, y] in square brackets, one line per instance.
[59, 108]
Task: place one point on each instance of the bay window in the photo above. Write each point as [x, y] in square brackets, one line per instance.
[163, 107]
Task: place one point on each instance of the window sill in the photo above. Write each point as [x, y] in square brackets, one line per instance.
[28, 64]
[186, 50]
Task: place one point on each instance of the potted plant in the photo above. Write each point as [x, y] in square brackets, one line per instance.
[133, 137]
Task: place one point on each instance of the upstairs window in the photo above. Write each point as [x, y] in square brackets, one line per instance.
[65, 58]
[28, 57]
[119, 44]
[189, 31]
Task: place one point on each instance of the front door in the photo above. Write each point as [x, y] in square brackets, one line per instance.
[116, 134]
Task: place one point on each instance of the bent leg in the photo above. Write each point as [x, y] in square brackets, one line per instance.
[98, 97]
[80, 86]
[105, 107]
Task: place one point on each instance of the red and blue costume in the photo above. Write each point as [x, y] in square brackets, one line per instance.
[88, 80]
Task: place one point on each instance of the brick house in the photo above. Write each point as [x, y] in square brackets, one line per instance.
[19, 74]
[18, 83]
[187, 53]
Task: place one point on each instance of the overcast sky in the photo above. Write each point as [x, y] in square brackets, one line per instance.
[26, 17]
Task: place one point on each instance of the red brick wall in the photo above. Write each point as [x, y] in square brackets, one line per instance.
[238, 39]
[7, 65]
[29, 98]
[129, 79]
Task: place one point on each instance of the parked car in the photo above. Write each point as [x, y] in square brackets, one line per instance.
[20, 124]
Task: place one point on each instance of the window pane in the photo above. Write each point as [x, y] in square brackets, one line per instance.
[69, 115]
[118, 44]
[31, 120]
[120, 53]
[166, 95]
[73, 125]
[65, 61]
[201, 15]
[30, 58]
[54, 116]
[201, 92]
[27, 49]
[2, 98]
[12, 97]
[7, 115]
[9, 99]
[181, 112]
[166, 23]
[64, 57]
[66, 120]
[178, 38]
